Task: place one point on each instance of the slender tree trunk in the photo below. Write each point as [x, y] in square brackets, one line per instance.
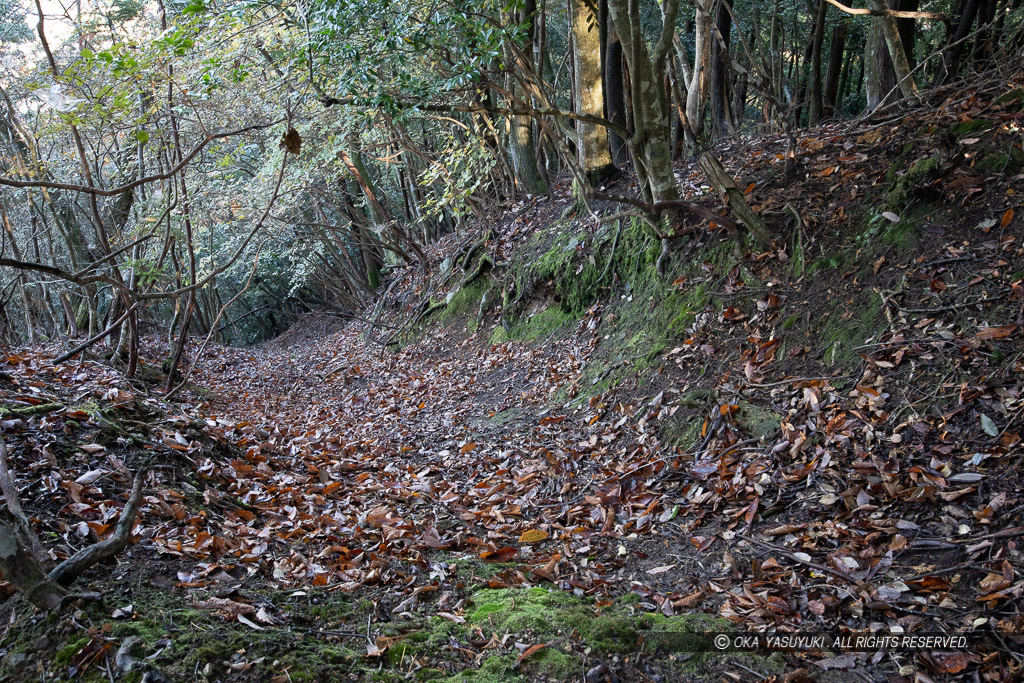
[696, 91]
[651, 142]
[817, 97]
[721, 113]
[522, 145]
[983, 42]
[835, 67]
[592, 148]
[949, 65]
[872, 64]
[772, 115]
[894, 41]
[615, 97]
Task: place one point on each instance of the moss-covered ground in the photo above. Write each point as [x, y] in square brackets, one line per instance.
[321, 636]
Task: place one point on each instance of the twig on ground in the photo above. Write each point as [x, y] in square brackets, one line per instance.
[795, 558]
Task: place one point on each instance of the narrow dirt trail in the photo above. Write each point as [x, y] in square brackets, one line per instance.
[362, 465]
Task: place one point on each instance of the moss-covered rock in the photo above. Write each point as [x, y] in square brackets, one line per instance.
[756, 421]
[904, 186]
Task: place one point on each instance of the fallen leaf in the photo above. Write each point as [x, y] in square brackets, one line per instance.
[533, 536]
[530, 651]
[1007, 217]
[90, 477]
[499, 555]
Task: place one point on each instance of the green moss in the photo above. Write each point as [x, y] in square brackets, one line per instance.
[67, 653]
[967, 127]
[628, 599]
[902, 235]
[905, 185]
[91, 407]
[538, 326]
[1002, 162]
[149, 630]
[553, 663]
[539, 615]
[463, 304]
[827, 263]
[756, 421]
[495, 669]
[843, 335]
[503, 417]
[30, 411]
[470, 568]
[682, 429]
[1015, 96]
[791, 322]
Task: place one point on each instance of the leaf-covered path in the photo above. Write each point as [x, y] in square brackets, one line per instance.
[820, 444]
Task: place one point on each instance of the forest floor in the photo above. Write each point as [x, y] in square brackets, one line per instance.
[823, 437]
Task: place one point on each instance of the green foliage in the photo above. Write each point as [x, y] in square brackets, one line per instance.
[13, 28]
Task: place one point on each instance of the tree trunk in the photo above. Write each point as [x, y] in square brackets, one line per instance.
[817, 97]
[651, 142]
[890, 30]
[949, 66]
[521, 142]
[592, 148]
[696, 91]
[835, 67]
[721, 114]
[615, 96]
[983, 42]
[24, 573]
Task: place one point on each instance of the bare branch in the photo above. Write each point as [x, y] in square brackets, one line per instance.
[87, 189]
[84, 345]
[498, 111]
[898, 14]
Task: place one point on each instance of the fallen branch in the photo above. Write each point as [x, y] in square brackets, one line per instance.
[898, 14]
[730, 193]
[32, 411]
[86, 344]
[71, 568]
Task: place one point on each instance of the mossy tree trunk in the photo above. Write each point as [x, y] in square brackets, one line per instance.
[651, 141]
[522, 146]
[894, 41]
[593, 150]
